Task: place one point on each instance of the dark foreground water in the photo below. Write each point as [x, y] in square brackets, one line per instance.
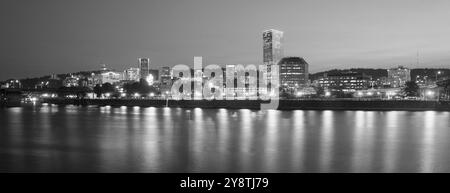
[105, 139]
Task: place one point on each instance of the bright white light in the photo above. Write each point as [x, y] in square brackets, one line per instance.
[149, 79]
[123, 95]
[272, 94]
[430, 93]
[299, 93]
[107, 95]
[328, 93]
[152, 94]
[137, 95]
[370, 93]
[360, 93]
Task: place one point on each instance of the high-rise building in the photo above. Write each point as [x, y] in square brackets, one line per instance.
[166, 79]
[155, 74]
[166, 76]
[144, 66]
[132, 74]
[230, 75]
[397, 77]
[272, 46]
[272, 49]
[293, 72]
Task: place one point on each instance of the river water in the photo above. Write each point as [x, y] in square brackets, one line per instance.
[52, 138]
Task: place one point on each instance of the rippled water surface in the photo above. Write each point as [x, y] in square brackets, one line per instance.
[132, 139]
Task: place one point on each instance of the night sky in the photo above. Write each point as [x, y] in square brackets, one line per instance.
[44, 37]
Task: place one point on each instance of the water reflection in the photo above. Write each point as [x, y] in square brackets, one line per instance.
[428, 142]
[391, 127]
[326, 139]
[133, 139]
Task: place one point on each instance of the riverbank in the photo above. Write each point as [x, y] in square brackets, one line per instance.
[309, 104]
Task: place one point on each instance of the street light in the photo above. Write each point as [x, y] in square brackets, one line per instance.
[437, 73]
[430, 93]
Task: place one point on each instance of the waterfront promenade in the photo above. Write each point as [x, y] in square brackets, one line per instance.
[303, 104]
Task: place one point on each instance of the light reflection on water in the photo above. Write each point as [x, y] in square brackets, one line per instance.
[133, 139]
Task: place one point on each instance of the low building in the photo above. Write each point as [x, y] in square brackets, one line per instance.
[397, 77]
[346, 81]
[12, 83]
[111, 77]
[132, 74]
[71, 81]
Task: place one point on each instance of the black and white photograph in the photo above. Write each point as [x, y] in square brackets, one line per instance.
[245, 88]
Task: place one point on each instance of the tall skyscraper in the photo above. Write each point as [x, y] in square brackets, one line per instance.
[144, 66]
[272, 47]
[272, 54]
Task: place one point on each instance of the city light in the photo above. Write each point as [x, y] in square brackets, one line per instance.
[328, 93]
[391, 93]
[430, 93]
[150, 79]
[137, 95]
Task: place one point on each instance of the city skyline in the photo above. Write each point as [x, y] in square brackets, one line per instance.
[205, 87]
[36, 44]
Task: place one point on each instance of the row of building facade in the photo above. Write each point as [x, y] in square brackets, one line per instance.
[293, 73]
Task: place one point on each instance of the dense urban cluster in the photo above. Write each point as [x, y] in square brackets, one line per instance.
[295, 80]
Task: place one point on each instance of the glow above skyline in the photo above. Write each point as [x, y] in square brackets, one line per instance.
[45, 37]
